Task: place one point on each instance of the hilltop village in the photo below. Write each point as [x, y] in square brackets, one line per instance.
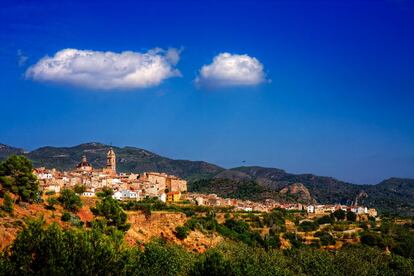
[166, 188]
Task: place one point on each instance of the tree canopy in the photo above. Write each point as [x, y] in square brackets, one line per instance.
[70, 200]
[113, 214]
[339, 214]
[351, 216]
[79, 189]
[16, 176]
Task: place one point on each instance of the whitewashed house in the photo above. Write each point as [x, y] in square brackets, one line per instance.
[117, 195]
[89, 193]
[44, 176]
[362, 210]
[310, 209]
[199, 200]
[125, 194]
[163, 197]
[53, 188]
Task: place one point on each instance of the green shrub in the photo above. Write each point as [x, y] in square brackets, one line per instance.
[363, 225]
[106, 192]
[51, 202]
[325, 238]
[189, 212]
[325, 220]
[293, 239]
[79, 189]
[181, 232]
[351, 216]
[277, 216]
[112, 213]
[340, 226]
[65, 217]
[308, 226]
[70, 200]
[8, 204]
[271, 241]
[372, 239]
[339, 214]
[212, 263]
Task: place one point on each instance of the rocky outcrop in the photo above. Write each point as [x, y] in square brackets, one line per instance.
[298, 192]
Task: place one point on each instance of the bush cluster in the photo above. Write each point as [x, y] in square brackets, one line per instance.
[41, 250]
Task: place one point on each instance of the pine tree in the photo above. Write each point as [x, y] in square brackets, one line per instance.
[8, 204]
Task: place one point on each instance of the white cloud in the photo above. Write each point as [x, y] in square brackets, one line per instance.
[231, 70]
[107, 70]
[21, 58]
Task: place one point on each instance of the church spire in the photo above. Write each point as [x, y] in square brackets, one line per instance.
[111, 160]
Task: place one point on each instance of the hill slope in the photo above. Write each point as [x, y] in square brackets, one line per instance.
[6, 150]
[394, 195]
[323, 189]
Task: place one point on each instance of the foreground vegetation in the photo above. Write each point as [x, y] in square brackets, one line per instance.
[50, 250]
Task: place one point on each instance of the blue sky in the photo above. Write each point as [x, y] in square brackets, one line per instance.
[331, 90]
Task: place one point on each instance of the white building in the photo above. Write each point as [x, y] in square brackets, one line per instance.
[53, 188]
[89, 192]
[44, 176]
[163, 197]
[362, 210]
[117, 195]
[125, 194]
[116, 181]
[199, 200]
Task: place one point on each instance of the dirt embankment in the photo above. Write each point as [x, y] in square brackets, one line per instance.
[11, 225]
[163, 224]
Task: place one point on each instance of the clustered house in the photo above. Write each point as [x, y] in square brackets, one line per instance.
[167, 188]
[125, 186]
[269, 204]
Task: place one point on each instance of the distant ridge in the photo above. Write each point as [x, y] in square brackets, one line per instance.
[129, 159]
[394, 195]
[6, 150]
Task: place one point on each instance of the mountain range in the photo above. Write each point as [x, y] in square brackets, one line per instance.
[393, 196]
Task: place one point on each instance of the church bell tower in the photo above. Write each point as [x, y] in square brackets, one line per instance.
[111, 161]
